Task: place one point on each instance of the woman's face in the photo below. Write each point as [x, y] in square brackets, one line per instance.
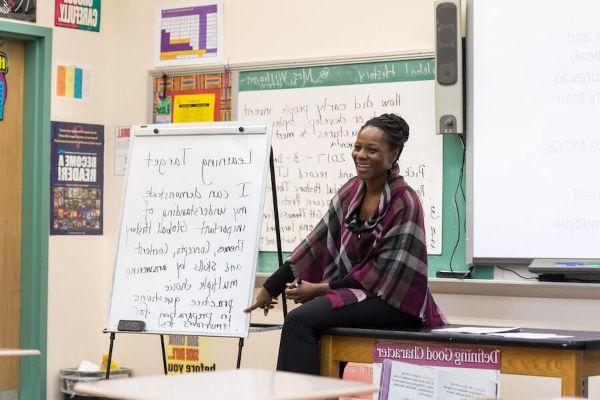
[372, 154]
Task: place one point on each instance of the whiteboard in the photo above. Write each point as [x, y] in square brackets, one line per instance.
[315, 114]
[534, 183]
[188, 242]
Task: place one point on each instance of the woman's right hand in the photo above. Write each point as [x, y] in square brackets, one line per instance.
[264, 300]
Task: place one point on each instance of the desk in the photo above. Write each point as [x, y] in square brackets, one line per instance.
[4, 352]
[572, 360]
[247, 384]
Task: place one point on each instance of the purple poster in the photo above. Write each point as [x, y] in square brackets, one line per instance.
[77, 179]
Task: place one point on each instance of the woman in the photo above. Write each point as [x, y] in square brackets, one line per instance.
[365, 263]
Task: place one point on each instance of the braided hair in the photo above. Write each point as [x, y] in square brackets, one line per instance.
[395, 129]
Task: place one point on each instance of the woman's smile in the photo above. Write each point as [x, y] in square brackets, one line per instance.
[362, 167]
[372, 155]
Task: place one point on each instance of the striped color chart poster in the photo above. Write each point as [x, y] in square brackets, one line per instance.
[190, 34]
[72, 82]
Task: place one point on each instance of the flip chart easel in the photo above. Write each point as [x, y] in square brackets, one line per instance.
[188, 243]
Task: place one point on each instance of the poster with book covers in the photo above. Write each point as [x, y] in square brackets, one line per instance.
[76, 179]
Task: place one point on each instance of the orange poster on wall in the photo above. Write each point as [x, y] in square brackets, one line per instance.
[188, 354]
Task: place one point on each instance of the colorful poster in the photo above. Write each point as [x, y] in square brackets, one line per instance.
[188, 354]
[23, 10]
[165, 87]
[3, 84]
[199, 106]
[73, 82]
[78, 14]
[162, 110]
[122, 135]
[190, 34]
[77, 179]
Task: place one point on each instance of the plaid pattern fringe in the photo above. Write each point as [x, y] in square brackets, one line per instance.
[392, 263]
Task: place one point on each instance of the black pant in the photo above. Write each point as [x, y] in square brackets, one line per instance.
[299, 347]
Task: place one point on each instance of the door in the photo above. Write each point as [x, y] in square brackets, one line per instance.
[11, 155]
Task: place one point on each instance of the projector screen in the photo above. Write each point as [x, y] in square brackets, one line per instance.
[533, 137]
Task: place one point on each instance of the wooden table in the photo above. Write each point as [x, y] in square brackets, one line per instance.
[572, 360]
[4, 352]
[247, 384]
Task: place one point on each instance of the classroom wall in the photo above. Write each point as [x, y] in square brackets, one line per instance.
[80, 269]
[256, 31]
[78, 266]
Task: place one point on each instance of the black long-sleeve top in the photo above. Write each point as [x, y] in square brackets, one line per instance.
[276, 283]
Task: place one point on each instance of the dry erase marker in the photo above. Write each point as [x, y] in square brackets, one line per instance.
[593, 264]
[569, 264]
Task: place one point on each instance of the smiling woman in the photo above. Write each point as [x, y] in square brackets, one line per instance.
[373, 157]
[365, 262]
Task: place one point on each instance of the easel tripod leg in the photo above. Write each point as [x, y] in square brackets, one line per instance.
[164, 354]
[110, 349]
[277, 227]
[239, 357]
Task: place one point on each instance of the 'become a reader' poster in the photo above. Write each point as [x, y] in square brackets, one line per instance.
[76, 173]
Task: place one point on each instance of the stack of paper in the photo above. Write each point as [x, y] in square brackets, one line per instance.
[507, 332]
[479, 330]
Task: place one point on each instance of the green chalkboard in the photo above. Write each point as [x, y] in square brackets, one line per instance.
[338, 75]
[453, 225]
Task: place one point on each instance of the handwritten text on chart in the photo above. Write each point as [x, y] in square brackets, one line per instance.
[313, 137]
[186, 239]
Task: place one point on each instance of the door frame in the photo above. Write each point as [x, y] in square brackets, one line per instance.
[35, 215]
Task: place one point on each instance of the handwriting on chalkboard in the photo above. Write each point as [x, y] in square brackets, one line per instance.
[337, 75]
[314, 131]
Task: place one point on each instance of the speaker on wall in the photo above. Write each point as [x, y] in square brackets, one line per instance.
[448, 67]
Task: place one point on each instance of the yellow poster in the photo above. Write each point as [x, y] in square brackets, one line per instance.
[194, 107]
[186, 354]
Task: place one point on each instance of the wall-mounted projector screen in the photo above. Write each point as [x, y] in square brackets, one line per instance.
[533, 108]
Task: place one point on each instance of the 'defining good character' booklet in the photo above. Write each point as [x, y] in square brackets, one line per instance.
[403, 381]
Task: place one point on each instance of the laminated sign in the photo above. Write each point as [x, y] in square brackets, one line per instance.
[3, 85]
[78, 14]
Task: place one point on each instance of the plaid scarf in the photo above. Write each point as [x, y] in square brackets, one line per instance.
[387, 254]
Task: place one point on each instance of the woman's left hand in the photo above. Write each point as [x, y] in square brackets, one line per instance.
[305, 291]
